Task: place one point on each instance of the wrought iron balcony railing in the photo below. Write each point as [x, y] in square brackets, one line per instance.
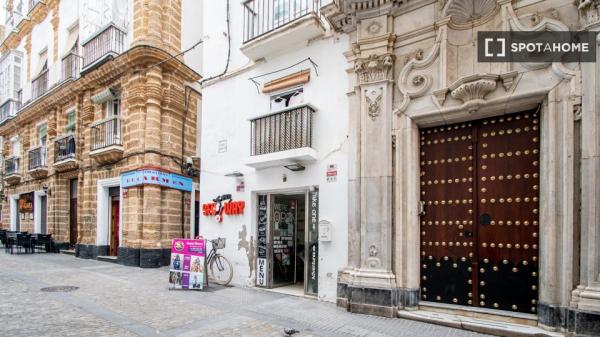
[64, 148]
[109, 41]
[263, 16]
[33, 3]
[9, 109]
[37, 158]
[106, 133]
[70, 66]
[286, 130]
[39, 85]
[11, 166]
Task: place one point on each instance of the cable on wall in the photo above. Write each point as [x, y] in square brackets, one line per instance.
[308, 59]
[228, 51]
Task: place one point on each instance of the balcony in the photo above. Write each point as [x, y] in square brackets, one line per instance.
[70, 67]
[274, 25]
[33, 3]
[9, 109]
[38, 167]
[64, 153]
[108, 43]
[282, 138]
[106, 141]
[12, 171]
[39, 85]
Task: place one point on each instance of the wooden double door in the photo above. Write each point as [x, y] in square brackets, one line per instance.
[479, 226]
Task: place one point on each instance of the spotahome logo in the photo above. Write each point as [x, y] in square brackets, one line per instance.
[536, 47]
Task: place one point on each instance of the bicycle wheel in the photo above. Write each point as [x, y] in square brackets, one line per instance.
[221, 270]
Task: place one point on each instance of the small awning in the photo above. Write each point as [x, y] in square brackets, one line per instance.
[105, 95]
[71, 42]
[42, 63]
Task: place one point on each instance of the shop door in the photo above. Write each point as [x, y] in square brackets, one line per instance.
[44, 215]
[73, 212]
[114, 226]
[479, 230]
[284, 214]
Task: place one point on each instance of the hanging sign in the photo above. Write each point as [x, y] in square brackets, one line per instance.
[187, 264]
[261, 257]
[156, 177]
[219, 207]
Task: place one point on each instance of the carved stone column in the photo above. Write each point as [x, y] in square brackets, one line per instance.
[586, 297]
[367, 284]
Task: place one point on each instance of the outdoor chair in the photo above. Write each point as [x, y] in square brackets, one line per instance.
[3, 236]
[23, 241]
[43, 241]
[11, 241]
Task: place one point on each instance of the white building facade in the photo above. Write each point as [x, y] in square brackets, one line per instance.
[278, 143]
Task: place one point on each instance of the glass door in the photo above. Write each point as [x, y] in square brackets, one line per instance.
[283, 229]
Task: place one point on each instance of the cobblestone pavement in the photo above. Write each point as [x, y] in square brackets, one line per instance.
[113, 300]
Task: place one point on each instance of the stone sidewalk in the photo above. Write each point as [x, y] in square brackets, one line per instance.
[113, 300]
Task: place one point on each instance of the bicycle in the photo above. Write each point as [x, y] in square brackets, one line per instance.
[219, 267]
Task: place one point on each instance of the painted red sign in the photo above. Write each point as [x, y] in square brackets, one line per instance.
[218, 208]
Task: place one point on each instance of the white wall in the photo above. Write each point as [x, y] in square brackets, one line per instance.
[191, 33]
[226, 107]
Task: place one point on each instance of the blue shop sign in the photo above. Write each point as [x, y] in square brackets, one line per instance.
[156, 177]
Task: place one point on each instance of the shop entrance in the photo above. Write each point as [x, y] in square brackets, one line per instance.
[72, 212]
[287, 243]
[479, 228]
[288, 238]
[114, 221]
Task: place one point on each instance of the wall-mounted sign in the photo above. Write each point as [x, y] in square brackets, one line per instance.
[26, 203]
[223, 205]
[240, 187]
[332, 173]
[156, 177]
[324, 231]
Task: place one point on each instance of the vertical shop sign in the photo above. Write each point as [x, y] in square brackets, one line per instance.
[261, 258]
[313, 243]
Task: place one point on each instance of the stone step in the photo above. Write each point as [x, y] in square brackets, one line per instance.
[68, 251]
[111, 259]
[479, 325]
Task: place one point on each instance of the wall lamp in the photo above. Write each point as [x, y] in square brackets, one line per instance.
[295, 167]
[235, 174]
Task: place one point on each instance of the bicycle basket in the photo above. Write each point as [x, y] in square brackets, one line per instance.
[219, 243]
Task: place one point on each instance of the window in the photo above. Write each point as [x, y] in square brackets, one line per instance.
[42, 62]
[287, 99]
[112, 108]
[71, 122]
[43, 134]
[72, 40]
[283, 8]
[15, 147]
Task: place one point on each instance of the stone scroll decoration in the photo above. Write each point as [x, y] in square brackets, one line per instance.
[414, 79]
[470, 92]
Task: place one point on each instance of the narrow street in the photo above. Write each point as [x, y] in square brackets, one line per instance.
[113, 300]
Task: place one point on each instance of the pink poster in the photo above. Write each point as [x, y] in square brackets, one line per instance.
[187, 264]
